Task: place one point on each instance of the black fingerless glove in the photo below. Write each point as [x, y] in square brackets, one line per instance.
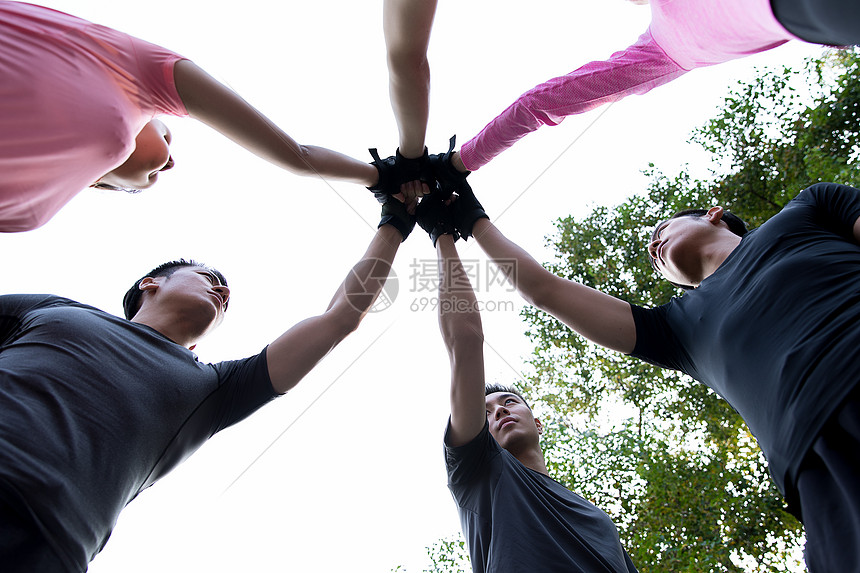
[388, 184]
[466, 210]
[416, 169]
[394, 213]
[448, 176]
[435, 217]
[396, 170]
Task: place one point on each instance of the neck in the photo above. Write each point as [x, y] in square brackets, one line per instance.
[717, 253]
[533, 460]
[173, 327]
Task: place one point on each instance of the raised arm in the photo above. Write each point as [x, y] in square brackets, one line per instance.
[636, 70]
[299, 349]
[222, 109]
[460, 325]
[406, 25]
[599, 317]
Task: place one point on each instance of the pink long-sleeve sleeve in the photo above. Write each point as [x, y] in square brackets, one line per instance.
[636, 70]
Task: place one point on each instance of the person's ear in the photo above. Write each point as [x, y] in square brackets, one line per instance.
[715, 215]
[148, 283]
[539, 426]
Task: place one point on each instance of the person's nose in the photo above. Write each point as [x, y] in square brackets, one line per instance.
[223, 292]
[652, 248]
[168, 137]
[501, 411]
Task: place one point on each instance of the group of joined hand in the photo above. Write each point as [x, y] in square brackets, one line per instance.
[428, 190]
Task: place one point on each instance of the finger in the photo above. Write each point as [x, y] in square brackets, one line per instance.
[410, 188]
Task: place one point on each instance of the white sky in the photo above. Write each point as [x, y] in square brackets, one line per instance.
[357, 482]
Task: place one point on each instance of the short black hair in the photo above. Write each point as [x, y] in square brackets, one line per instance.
[493, 388]
[131, 300]
[735, 224]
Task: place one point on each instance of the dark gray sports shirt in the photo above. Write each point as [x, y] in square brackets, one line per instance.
[517, 520]
[94, 408]
[776, 329]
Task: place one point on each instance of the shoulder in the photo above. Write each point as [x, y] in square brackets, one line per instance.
[652, 317]
[246, 379]
[466, 462]
[20, 303]
[830, 206]
[824, 193]
[252, 365]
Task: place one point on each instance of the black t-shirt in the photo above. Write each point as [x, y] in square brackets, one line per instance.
[94, 408]
[776, 329]
[517, 520]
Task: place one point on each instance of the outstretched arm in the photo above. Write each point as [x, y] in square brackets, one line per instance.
[636, 70]
[406, 25]
[222, 109]
[599, 317]
[460, 324]
[298, 350]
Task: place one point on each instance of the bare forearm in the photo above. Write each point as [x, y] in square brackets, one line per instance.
[457, 162]
[460, 324]
[524, 272]
[212, 103]
[330, 164]
[260, 136]
[459, 319]
[365, 280]
[599, 317]
[300, 348]
[406, 25]
[410, 101]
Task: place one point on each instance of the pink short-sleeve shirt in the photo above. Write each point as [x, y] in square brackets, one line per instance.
[73, 97]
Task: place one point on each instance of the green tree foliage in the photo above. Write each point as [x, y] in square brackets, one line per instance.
[680, 473]
[448, 555]
[671, 463]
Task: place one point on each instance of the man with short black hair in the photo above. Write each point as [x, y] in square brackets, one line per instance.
[95, 408]
[514, 516]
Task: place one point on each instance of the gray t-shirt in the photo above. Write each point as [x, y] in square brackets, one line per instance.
[94, 408]
[776, 329]
[517, 520]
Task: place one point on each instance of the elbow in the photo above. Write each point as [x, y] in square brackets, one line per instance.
[534, 297]
[463, 336]
[540, 291]
[342, 322]
[525, 116]
[349, 323]
[465, 347]
[408, 65]
[302, 162]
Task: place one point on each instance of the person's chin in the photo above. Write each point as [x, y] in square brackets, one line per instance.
[505, 438]
[150, 181]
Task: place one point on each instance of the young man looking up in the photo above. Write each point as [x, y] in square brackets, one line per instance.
[95, 408]
[515, 518]
[771, 322]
